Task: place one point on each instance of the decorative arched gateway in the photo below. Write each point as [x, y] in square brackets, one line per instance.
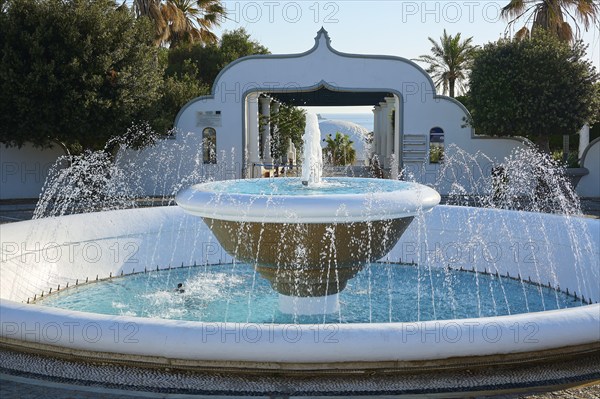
[320, 76]
[405, 106]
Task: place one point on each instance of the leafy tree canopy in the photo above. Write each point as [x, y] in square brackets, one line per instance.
[596, 119]
[536, 87]
[287, 124]
[77, 71]
[192, 69]
[176, 90]
[208, 60]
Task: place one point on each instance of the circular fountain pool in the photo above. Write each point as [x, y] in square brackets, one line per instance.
[50, 254]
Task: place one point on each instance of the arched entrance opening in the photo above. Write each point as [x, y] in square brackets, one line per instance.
[384, 147]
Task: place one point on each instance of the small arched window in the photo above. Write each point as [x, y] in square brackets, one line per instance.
[209, 145]
[436, 145]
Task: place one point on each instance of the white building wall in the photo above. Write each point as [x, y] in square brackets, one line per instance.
[445, 113]
[23, 171]
[589, 185]
[278, 73]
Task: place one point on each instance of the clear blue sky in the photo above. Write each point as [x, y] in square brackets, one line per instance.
[393, 27]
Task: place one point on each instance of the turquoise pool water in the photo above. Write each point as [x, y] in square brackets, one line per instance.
[293, 186]
[379, 293]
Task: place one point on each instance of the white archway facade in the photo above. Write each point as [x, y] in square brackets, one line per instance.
[403, 118]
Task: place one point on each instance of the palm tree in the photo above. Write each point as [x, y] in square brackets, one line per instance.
[449, 62]
[339, 150]
[551, 14]
[182, 21]
[152, 10]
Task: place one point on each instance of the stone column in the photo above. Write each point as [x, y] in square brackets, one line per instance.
[265, 111]
[376, 144]
[389, 134]
[397, 141]
[252, 133]
[274, 128]
[393, 136]
[383, 134]
[372, 145]
[584, 140]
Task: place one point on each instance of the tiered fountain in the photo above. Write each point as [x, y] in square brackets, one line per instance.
[330, 227]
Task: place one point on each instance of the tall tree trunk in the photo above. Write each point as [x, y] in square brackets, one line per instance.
[451, 88]
[543, 143]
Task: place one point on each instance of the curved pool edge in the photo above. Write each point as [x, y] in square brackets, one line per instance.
[289, 346]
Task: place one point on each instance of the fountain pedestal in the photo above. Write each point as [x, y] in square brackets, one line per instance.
[308, 245]
[308, 237]
[306, 242]
[308, 264]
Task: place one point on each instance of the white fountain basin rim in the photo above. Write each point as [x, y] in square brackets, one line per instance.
[297, 343]
[200, 200]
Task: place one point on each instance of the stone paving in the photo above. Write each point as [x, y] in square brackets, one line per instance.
[15, 212]
[589, 392]
[16, 369]
[22, 388]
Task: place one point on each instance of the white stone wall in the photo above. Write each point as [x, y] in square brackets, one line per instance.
[23, 170]
[589, 185]
[445, 113]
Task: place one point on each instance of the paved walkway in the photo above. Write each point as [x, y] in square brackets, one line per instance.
[18, 210]
[23, 388]
[591, 207]
[25, 375]
[11, 211]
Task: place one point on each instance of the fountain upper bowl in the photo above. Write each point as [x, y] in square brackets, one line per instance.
[286, 200]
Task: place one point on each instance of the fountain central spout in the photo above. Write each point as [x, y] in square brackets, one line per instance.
[312, 161]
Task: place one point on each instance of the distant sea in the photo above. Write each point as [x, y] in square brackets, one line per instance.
[364, 120]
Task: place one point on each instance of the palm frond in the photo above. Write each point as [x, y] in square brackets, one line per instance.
[552, 15]
[182, 21]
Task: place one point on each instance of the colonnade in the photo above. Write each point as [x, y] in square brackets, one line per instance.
[386, 135]
[258, 135]
[386, 132]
